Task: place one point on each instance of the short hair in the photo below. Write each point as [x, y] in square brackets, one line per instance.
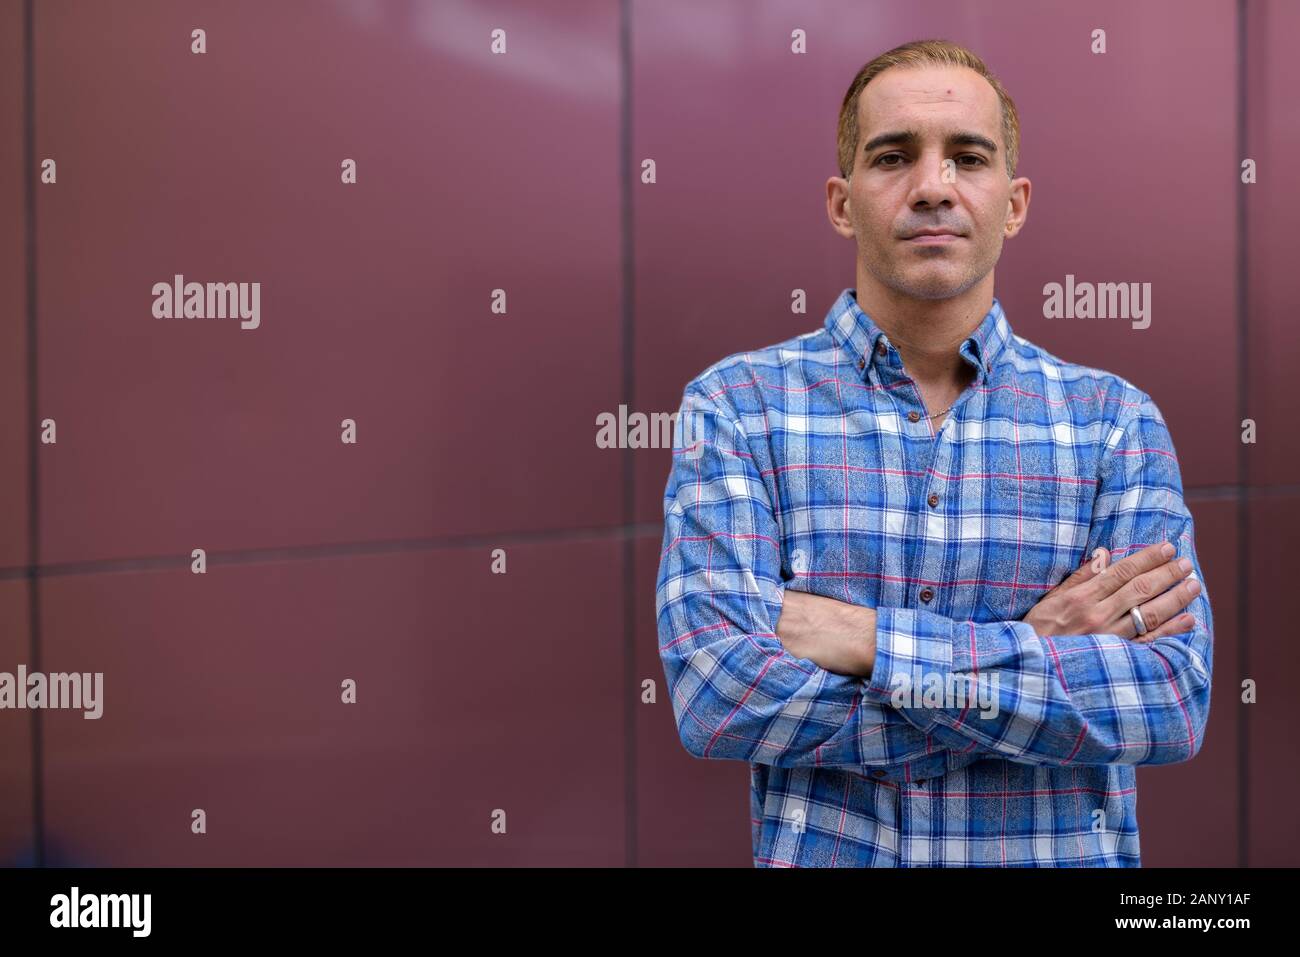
[920, 53]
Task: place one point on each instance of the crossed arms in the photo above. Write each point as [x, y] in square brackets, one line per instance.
[738, 693]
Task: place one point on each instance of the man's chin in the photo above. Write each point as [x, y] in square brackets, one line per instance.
[932, 287]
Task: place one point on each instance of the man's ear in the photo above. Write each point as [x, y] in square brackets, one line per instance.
[839, 210]
[1014, 224]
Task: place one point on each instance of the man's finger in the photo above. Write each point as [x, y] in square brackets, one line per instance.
[1175, 626]
[1153, 556]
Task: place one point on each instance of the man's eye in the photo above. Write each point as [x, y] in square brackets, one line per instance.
[962, 160]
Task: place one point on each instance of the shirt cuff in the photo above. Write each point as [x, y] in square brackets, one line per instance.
[914, 646]
[908, 642]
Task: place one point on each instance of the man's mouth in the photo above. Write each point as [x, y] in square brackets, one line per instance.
[932, 238]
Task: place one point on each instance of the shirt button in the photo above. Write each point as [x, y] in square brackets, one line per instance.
[881, 348]
[927, 594]
[913, 416]
[920, 781]
[933, 499]
[862, 364]
[878, 773]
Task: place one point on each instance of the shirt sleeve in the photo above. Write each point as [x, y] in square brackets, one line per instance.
[1068, 699]
[736, 692]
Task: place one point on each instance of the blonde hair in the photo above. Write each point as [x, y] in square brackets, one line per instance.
[915, 54]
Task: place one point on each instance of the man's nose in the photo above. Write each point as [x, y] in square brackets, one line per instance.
[934, 181]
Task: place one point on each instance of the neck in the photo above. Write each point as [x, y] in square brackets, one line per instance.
[928, 332]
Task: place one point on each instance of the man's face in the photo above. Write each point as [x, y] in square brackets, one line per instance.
[899, 185]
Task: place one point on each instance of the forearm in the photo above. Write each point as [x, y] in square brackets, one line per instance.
[839, 636]
[1067, 699]
[741, 696]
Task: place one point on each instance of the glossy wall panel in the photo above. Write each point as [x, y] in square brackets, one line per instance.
[14, 264]
[375, 299]
[17, 843]
[1274, 662]
[224, 693]
[1273, 129]
[1273, 516]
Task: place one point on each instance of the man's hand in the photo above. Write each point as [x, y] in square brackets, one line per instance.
[835, 635]
[1096, 599]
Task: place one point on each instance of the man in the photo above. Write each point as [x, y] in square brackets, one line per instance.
[875, 584]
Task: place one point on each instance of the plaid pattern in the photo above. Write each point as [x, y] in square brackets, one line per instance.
[814, 467]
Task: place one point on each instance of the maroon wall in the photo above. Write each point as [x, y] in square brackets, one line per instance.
[371, 561]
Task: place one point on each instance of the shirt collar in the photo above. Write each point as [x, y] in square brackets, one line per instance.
[853, 330]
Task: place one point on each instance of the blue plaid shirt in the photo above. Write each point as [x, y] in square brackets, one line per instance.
[812, 465]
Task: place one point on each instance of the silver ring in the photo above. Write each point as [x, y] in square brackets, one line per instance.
[1138, 623]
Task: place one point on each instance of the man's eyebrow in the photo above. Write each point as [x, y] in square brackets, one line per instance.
[911, 137]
